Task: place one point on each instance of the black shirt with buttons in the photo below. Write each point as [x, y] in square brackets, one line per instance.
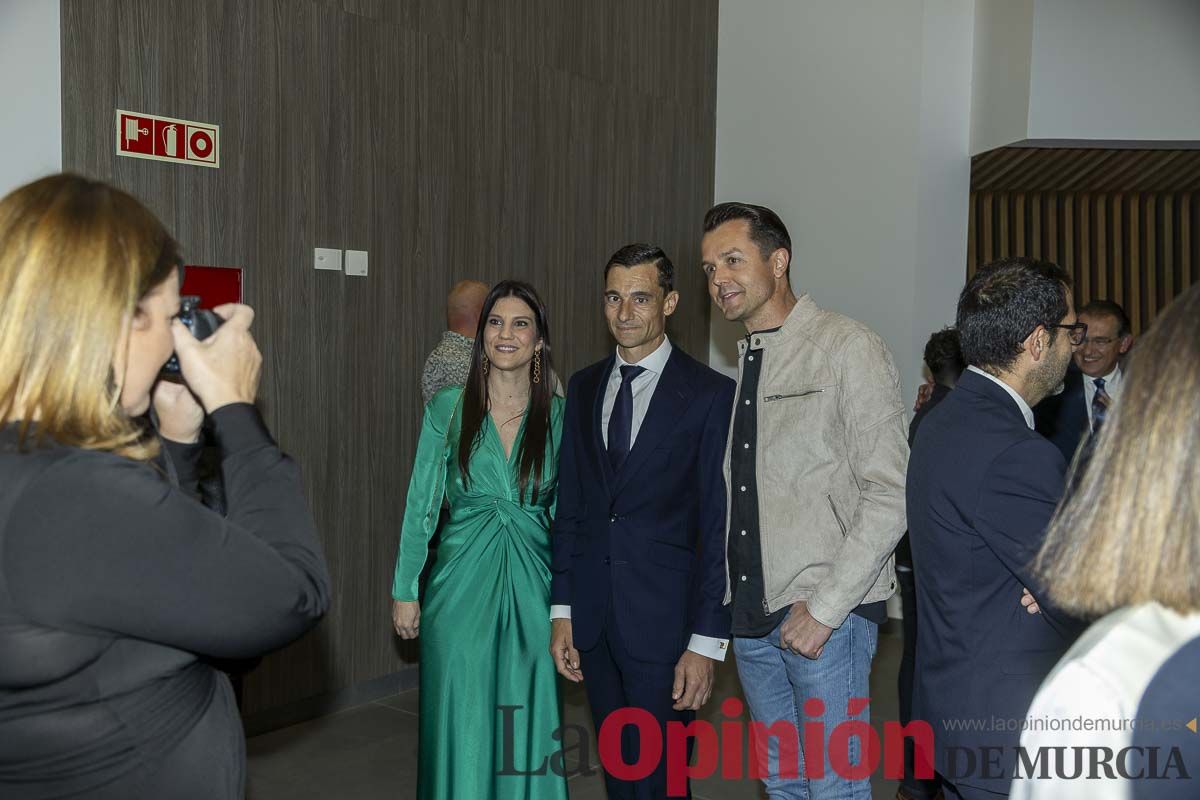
[750, 616]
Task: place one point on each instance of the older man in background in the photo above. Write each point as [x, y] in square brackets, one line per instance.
[450, 361]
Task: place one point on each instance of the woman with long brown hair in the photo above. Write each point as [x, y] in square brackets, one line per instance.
[1123, 549]
[115, 584]
[491, 449]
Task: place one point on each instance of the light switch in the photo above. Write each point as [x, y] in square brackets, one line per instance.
[325, 258]
[356, 263]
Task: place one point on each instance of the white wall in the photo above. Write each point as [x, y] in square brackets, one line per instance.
[31, 97]
[1115, 69]
[943, 171]
[852, 120]
[1000, 76]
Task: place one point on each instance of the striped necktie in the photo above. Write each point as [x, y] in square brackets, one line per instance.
[1099, 405]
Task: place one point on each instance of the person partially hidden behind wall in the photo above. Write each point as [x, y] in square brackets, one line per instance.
[115, 586]
[1124, 548]
[449, 363]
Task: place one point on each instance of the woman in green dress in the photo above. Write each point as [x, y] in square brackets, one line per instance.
[491, 449]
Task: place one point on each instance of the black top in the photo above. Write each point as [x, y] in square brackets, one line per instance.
[904, 549]
[750, 616]
[1166, 708]
[114, 584]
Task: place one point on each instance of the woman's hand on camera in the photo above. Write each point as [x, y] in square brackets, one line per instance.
[406, 618]
[180, 414]
[224, 368]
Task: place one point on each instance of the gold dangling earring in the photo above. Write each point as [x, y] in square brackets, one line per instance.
[537, 366]
[486, 364]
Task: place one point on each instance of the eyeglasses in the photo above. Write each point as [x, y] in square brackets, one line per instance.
[1077, 333]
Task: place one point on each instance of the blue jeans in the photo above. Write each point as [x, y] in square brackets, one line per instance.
[777, 683]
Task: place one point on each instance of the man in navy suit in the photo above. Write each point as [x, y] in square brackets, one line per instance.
[639, 566]
[1092, 384]
[982, 486]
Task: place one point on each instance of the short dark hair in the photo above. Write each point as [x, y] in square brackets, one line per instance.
[634, 255]
[1098, 308]
[766, 228]
[943, 355]
[1003, 303]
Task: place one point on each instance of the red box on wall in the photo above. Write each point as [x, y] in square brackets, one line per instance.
[213, 285]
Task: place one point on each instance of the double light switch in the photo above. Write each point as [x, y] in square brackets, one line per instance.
[327, 258]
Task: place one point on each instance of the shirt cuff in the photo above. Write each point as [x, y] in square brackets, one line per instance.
[707, 646]
[560, 612]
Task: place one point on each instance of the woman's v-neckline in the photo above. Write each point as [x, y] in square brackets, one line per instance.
[500, 442]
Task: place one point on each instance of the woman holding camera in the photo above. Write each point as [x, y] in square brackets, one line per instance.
[489, 695]
[115, 584]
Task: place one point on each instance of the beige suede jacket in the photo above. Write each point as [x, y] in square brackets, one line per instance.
[831, 458]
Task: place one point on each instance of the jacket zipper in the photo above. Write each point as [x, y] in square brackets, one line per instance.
[770, 398]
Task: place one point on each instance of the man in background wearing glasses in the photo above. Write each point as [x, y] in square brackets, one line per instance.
[1093, 384]
[982, 486]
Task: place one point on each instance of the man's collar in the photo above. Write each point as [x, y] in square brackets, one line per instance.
[656, 362]
[797, 318]
[1026, 411]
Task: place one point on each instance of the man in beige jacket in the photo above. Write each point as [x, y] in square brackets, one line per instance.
[815, 473]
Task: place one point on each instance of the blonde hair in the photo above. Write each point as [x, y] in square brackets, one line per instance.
[76, 256]
[1129, 532]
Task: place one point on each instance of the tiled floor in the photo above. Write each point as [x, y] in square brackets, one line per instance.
[370, 752]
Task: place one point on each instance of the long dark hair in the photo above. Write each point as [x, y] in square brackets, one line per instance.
[532, 454]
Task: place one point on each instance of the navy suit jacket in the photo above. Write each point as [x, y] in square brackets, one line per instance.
[1063, 418]
[1165, 698]
[649, 539]
[981, 489]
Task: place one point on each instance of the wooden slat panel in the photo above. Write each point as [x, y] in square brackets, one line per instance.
[1167, 218]
[1099, 265]
[1133, 259]
[1185, 242]
[1117, 252]
[1095, 169]
[989, 249]
[1018, 225]
[1150, 260]
[1068, 236]
[1084, 270]
[1051, 214]
[1004, 202]
[1035, 220]
[972, 227]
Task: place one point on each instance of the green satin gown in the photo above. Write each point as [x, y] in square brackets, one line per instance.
[485, 618]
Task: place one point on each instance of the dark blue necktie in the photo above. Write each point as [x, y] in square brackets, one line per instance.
[620, 424]
[1098, 407]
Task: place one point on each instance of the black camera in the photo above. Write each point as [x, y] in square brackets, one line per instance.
[200, 321]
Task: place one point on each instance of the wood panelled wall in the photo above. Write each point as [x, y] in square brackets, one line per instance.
[1138, 249]
[450, 139]
[1120, 219]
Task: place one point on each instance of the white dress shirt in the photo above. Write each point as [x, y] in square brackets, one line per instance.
[1112, 388]
[643, 387]
[1026, 411]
